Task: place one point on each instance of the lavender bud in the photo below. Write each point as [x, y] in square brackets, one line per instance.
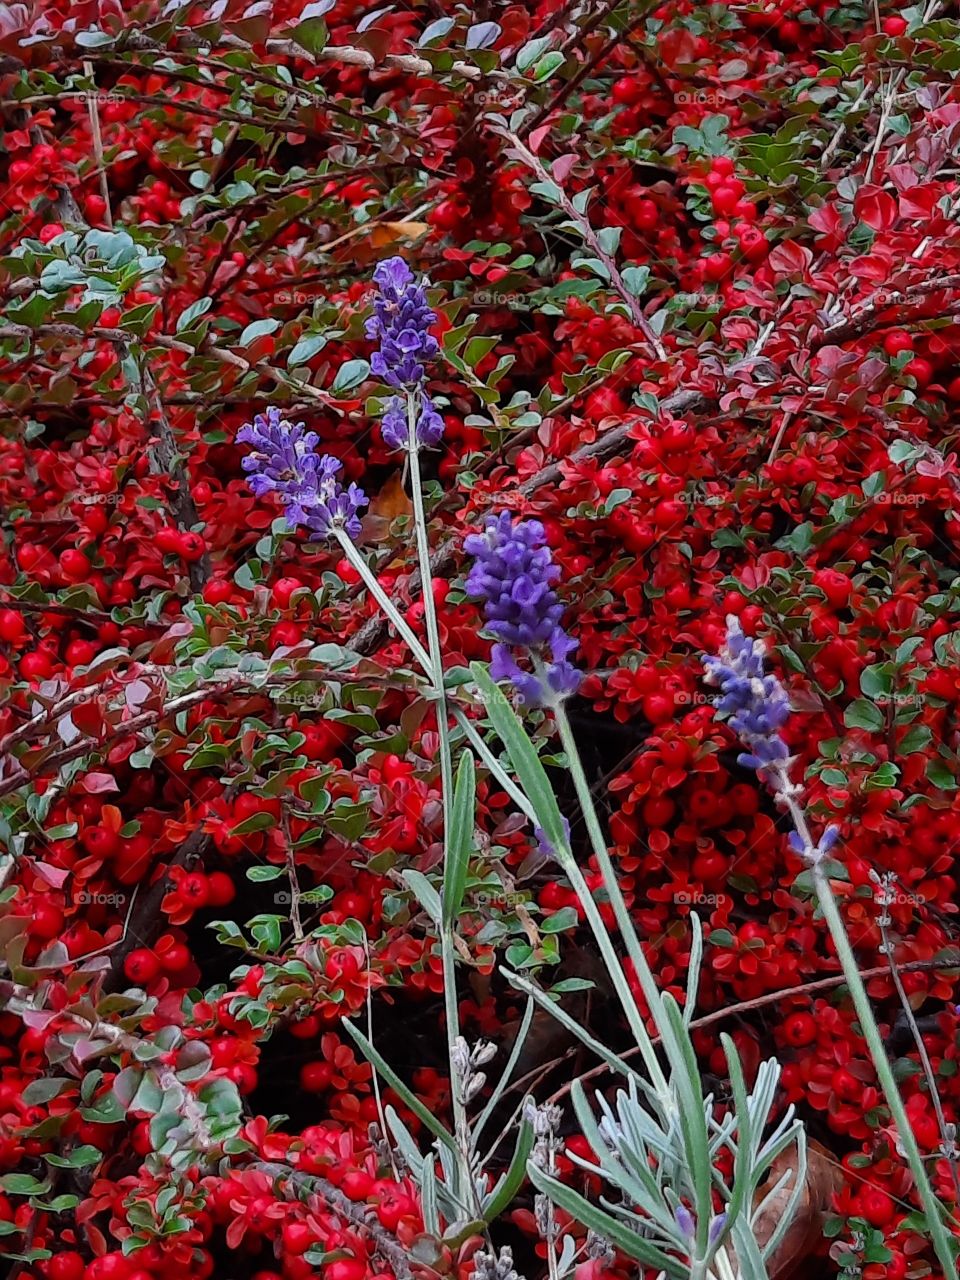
[487, 1266]
[545, 845]
[394, 429]
[513, 576]
[717, 1227]
[685, 1221]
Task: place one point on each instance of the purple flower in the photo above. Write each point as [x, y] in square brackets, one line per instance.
[756, 704]
[429, 423]
[514, 575]
[401, 323]
[283, 453]
[284, 459]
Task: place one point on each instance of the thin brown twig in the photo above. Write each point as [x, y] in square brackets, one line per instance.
[520, 151]
[759, 1002]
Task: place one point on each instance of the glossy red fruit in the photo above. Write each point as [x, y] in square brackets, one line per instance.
[799, 1029]
[75, 565]
[141, 966]
[68, 1265]
[877, 1207]
[191, 547]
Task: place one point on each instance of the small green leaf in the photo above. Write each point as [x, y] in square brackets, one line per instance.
[560, 921]
[461, 838]
[258, 329]
[350, 376]
[193, 312]
[306, 349]
[425, 894]
[261, 874]
[862, 714]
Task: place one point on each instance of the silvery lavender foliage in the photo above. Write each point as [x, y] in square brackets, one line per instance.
[513, 576]
[756, 703]
[284, 460]
[401, 323]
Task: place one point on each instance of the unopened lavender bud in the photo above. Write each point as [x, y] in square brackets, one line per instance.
[717, 1228]
[685, 1221]
[484, 1051]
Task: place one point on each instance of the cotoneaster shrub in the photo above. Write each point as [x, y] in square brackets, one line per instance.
[694, 272]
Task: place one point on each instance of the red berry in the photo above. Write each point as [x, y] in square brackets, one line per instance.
[141, 966]
[68, 1265]
[316, 1076]
[297, 1237]
[724, 200]
[283, 589]
[896, 342]
[799, 1029]
[74, 564]
[191, 547]
[920, 370]
[167, 539]
[12, 626]
[345, 1269]
[876, 1206]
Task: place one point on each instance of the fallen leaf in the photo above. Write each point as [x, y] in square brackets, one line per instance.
[392, 501]
[805, 1233]
[384, 233]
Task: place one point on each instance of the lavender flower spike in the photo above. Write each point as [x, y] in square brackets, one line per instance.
[284, 460]
[401, 323]
[283, 454]
[513, 575]
[756, 703]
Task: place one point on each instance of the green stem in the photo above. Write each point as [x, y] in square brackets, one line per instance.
[611, 883]
[868, 1026]
[612, 886]
[435, 670]
[932, 1208]
[390, 610]
[493, 764]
